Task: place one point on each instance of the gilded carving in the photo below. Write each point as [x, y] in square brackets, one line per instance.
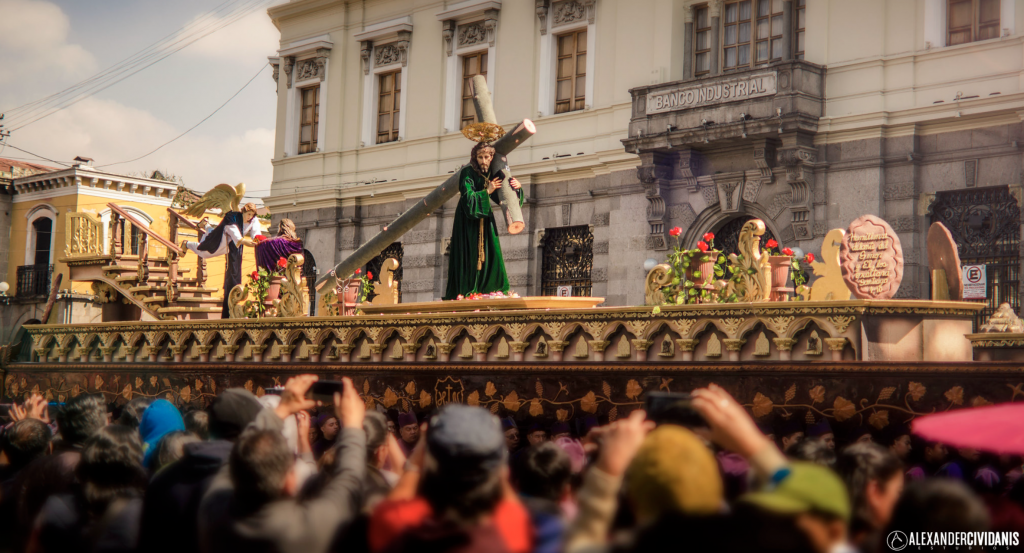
[623, 348]
[734, 344]
[836, 344]
[714, 346]
[542, 348]
[582, 349]
[687, 344]
[502, 352]
[667, 349]
[779, 325]
[813, 344]
[841, 322]
[754, 270]
[730, 326]
[762, 347]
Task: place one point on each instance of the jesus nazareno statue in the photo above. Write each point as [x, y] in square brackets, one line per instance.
[475, 264]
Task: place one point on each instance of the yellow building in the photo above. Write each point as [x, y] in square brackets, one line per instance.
[115, 262]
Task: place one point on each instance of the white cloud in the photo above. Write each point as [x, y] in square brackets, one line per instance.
[108, 132]
[35, 48]
[251, 38]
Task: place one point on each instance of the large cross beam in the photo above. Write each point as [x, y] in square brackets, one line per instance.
[509, 199]
[423, 208]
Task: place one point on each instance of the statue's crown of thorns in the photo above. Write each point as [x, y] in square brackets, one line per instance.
[483, 132]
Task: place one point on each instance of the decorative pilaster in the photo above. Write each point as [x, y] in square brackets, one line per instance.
[204, 353]
[448, 34]
[836, 346]
[598, 347]
[129, 353]
[641, 346]
[733, 346]
[764, 159]
[286, 352]
[344, 352]
[377, 352]
[62, 355]
[445, 349]
[108, 353]
[654, 172]
[785, 347]
[491, 25]
[41, 354]
[229, 352]
[365, 50]
[314, 352]
[480, 350]
[257, 352]
[178, 351]
[518, 348]
[289, 64]
[591, 6]
[542, 15]
[557, 347]
[799, 162]
[275, 63]
[686, 347]
[409, 350]
[403, 46]
[689, 166]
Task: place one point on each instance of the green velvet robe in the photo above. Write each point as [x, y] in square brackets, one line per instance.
[474, 206]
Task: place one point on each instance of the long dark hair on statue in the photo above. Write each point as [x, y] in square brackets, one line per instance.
[472, 157]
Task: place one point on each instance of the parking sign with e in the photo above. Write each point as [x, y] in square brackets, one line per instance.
[975, 282]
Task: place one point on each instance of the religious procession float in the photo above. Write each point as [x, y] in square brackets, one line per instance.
[838, 347]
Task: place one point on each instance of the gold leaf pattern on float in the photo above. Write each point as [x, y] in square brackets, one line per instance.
[186, 394]
[167, 383]
[169, 397]
[790, 393]
[405, 405]
[562, 415]
[369, 403]
[199, 386]
[98, 382]
[979, 401]
[49, 395]
[12, 390]
[426, 398]
[762, 405]
[664, 383]
[138, 383]
[955, 395]
[213, 386]
[916, 390]
[127, 391]
[490, 390]
[879, 419]
[152, 381]
[494, 407]
[511, 401]
[60, 398]
[613, 414]
[633, 389]
[248, 385]
[410, 388]
[536, 409]
[540, 389]
[366, 385]
[886, 393]
[589, 402]
[390, 398]
[474, 398]
[75, 390]
[843, 409]
[606, 389]
[817, 394]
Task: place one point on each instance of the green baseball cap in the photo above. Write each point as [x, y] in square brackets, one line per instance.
[807, 488]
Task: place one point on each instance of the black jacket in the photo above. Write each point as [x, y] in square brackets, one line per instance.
[169, 515]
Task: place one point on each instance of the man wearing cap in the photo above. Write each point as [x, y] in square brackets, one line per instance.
[453, 493]
[409, 431]
[169, 509]
[789, 433]
[536, 434]
[511, 432]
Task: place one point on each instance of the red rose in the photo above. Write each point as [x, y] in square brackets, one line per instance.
[676, 231]
[809, 258]
[702, 246]
[282, 262]
[359, 271]
[260, 238]
[369, 275]
[255, 275]
[709, 237]
[787, 251]
[771, 243]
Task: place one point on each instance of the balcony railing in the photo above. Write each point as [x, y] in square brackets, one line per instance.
[34, 280]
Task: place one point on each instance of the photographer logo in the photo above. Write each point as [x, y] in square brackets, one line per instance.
[896, 541]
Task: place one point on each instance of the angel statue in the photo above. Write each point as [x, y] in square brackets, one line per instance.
[235, 230]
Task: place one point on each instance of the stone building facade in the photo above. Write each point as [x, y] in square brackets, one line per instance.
[804, 113]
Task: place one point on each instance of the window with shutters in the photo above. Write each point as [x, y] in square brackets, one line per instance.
[388, 102]
[309, 119]
[702, 37]
[971, 20]
[571, 84]
[472, 65]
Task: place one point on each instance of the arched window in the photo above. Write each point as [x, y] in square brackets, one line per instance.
[130, 241]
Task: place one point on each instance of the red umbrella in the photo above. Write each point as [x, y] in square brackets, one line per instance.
[994, 428]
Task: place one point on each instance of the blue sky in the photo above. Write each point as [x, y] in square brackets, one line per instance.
[50, 44]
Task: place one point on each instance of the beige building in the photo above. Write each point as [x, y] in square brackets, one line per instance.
[653, 114]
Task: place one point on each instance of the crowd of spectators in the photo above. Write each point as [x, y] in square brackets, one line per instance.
[287, 473]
